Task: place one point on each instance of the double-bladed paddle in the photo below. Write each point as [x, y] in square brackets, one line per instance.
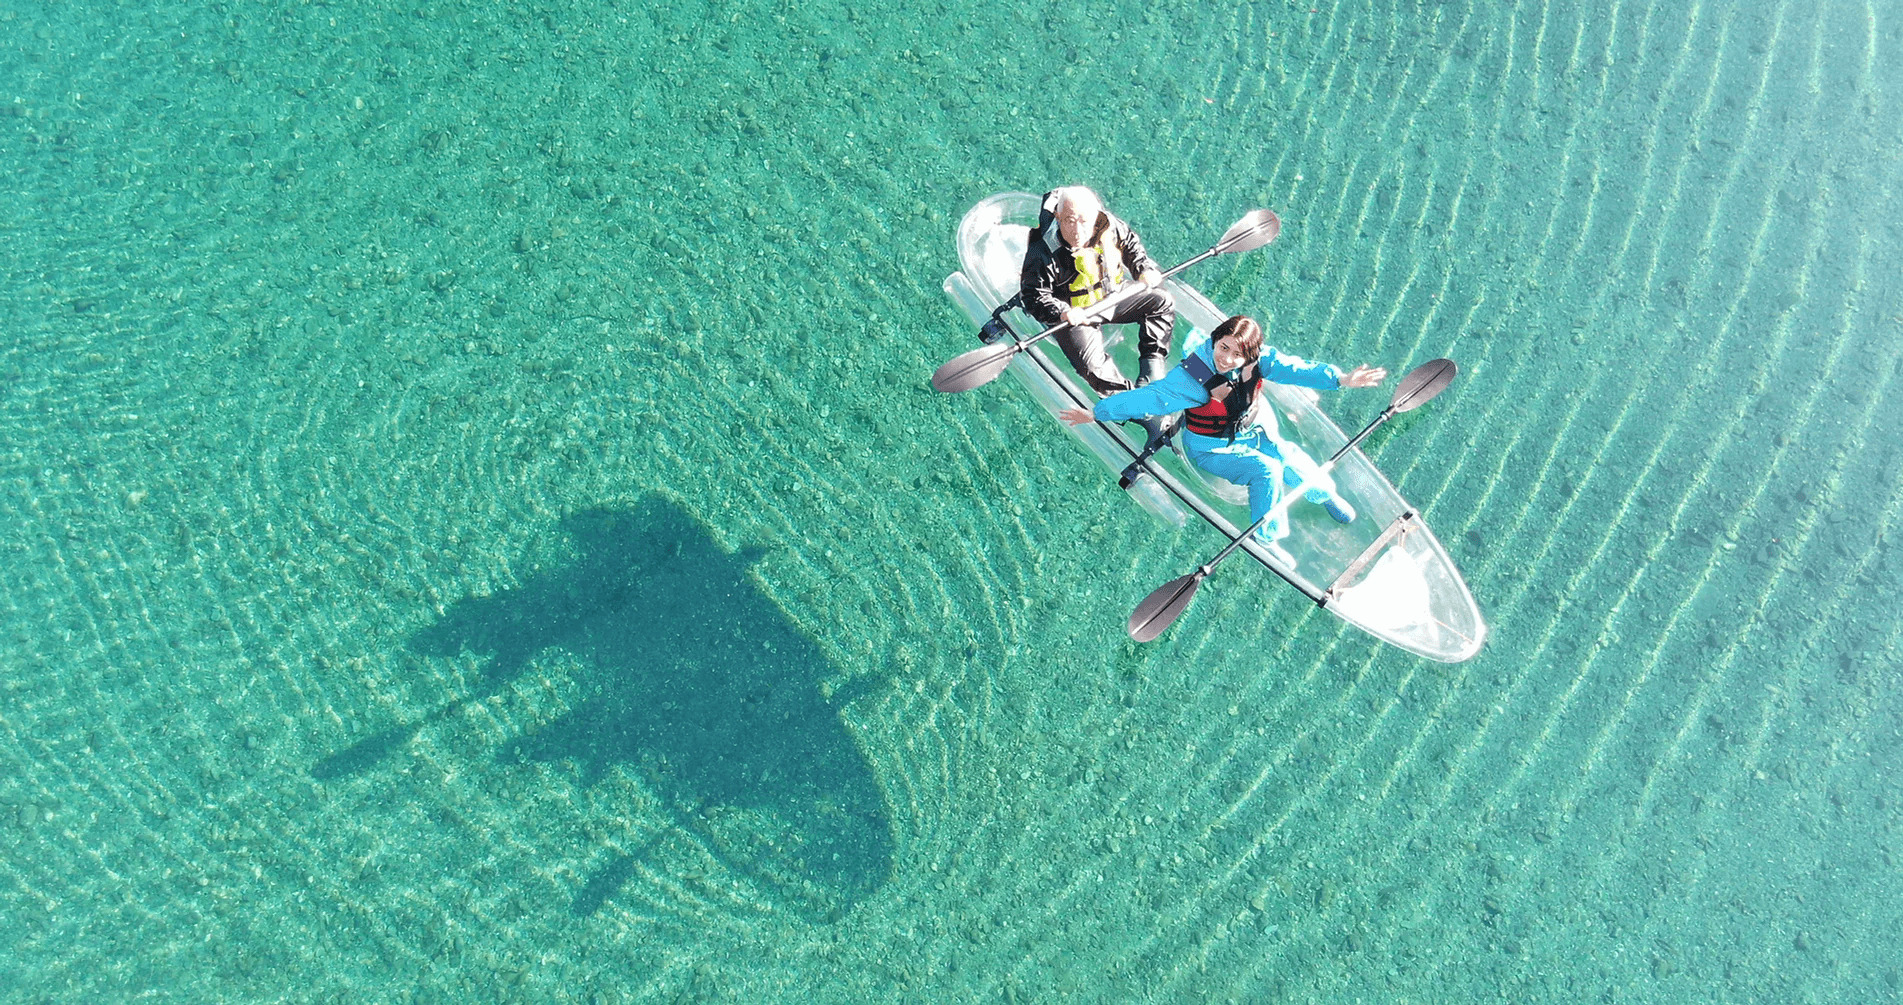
[981, 366]
[1159, 610]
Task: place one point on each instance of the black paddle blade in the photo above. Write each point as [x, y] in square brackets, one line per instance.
[1256, 228]
[1422, 383]
[974, 369]
[1159, 610]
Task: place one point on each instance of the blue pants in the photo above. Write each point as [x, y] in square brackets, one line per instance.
[1262, 464]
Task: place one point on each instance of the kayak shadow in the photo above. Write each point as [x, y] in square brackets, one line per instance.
[695, 681]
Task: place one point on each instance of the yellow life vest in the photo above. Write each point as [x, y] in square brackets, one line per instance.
[1099, 273]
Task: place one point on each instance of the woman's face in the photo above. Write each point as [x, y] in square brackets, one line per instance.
[1228, 353]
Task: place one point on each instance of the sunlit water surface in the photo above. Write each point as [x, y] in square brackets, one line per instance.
[476, 526]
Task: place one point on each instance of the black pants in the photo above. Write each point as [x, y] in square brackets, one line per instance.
[1153, 310]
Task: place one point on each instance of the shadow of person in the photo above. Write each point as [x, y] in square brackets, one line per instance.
[694, 680]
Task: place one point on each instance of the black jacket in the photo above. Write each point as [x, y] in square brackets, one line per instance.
[1048, 266]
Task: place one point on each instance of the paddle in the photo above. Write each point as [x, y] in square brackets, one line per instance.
[1159, 437]
[1159, 610]
[981, 366]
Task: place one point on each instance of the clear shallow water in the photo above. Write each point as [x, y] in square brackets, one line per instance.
[476, 525]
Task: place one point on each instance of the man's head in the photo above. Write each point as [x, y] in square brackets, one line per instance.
[1238, 342]
[1078, 211]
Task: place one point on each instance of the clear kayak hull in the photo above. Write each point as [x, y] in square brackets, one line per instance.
[1385, 573]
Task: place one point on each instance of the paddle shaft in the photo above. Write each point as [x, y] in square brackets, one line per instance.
[1288, 499]
[1365, 430]
[1161, 608]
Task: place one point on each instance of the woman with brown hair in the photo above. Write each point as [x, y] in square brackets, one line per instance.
[1224, 432]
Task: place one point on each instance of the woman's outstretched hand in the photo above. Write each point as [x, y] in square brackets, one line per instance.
[1364, 376]
[1076, 416]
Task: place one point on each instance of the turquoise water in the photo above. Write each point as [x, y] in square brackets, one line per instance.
[476, 526]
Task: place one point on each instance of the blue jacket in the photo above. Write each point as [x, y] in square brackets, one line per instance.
[1177, 390]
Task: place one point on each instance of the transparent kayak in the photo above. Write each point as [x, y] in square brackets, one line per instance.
[1385, 573]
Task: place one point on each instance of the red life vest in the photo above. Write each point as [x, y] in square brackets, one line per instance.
[1210, 418]
[1221, 418]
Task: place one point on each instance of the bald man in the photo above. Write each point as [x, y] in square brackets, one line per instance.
[1078, 255]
